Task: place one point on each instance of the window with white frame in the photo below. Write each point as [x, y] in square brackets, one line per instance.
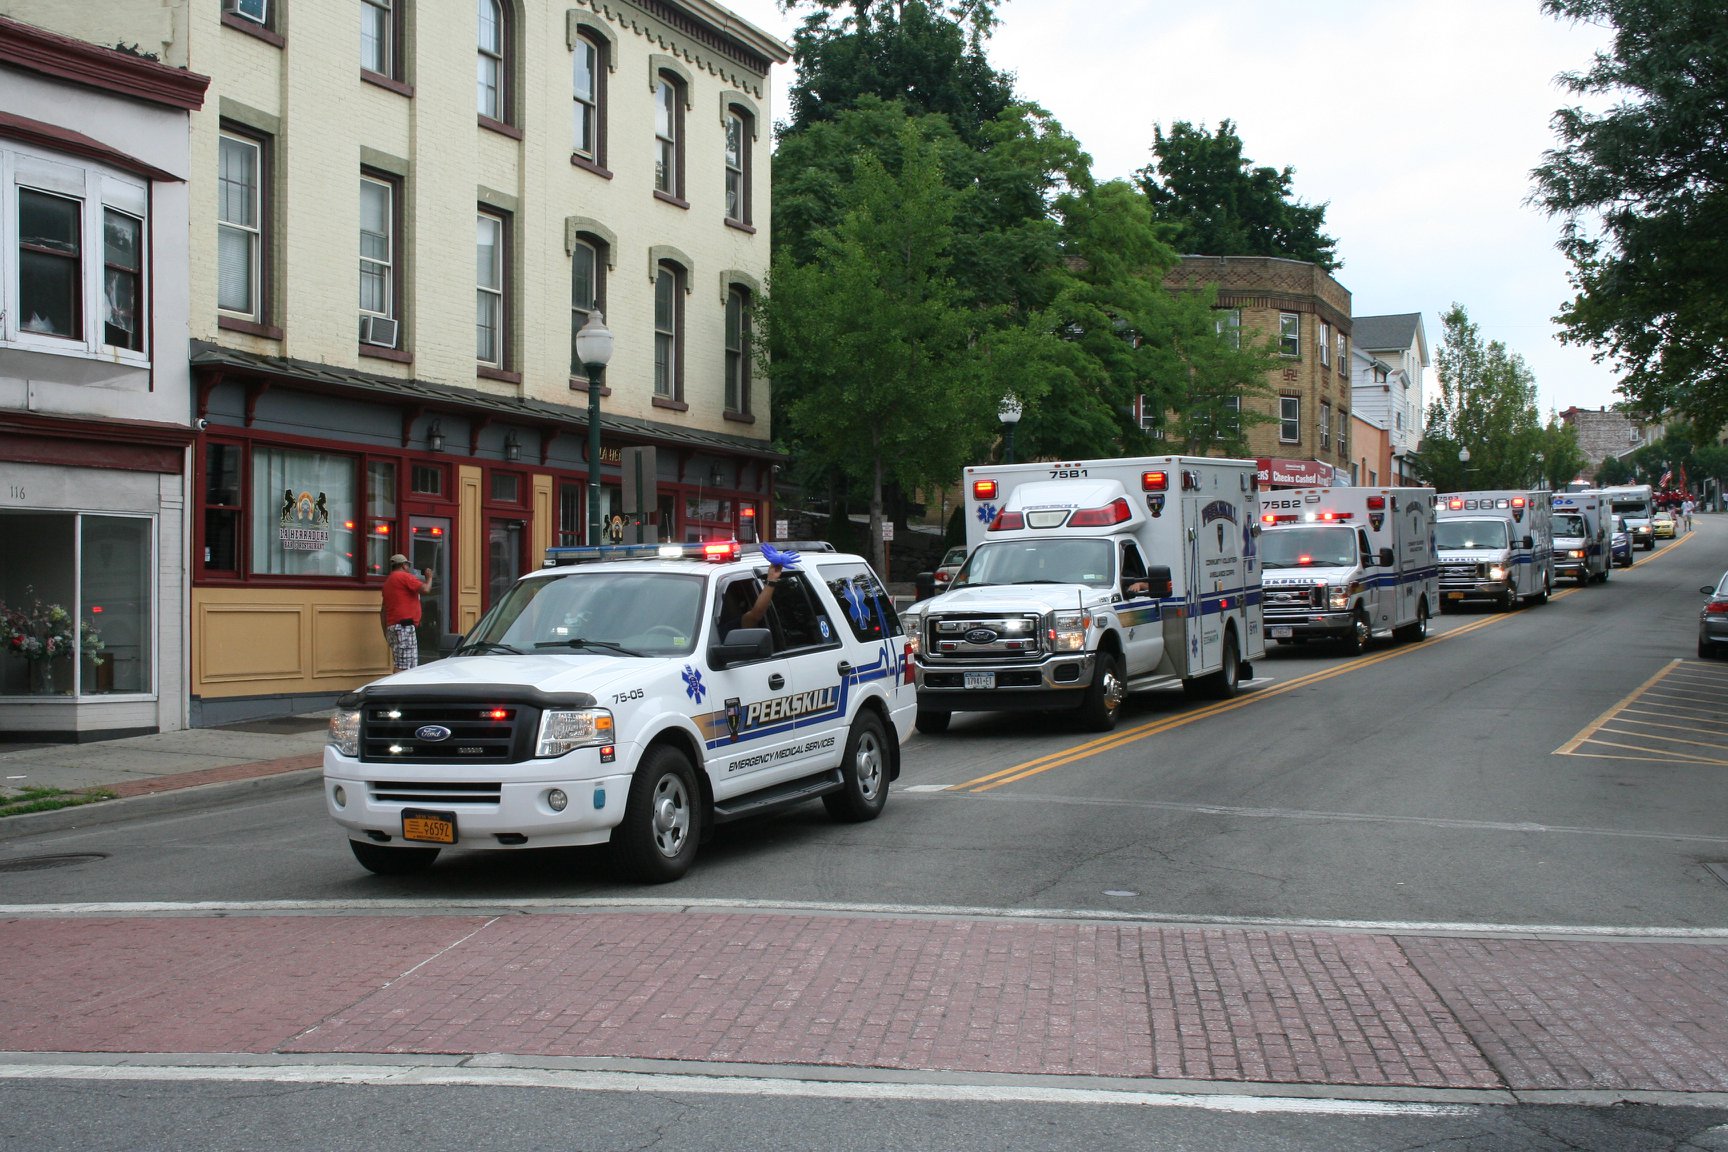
[587, 291]
[737, 350]
[1290, 419]
[1325, 343]
[1290, 333]
[1229, 326]
[1343, 354]
[669, 136]
[738, 131]
[1325, 428]
[240, 213]
[257, 11]
[587, 89]
[1232, 417]
[377, 257]
[75, 265]
[668, 308]
[491, 80]
[490, 261]
[1343, 432]
[378, 37]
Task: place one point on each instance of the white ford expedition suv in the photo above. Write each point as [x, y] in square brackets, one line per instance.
[597, 703]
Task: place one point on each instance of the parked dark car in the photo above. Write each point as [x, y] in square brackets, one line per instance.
[1713, 619]
[1620, 544]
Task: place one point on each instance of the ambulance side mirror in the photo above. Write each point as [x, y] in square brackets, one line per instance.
[1385, 557]
[1158, 583]
[1528, 543]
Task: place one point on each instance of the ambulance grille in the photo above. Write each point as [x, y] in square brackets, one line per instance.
[984, 637]
[1274, 597]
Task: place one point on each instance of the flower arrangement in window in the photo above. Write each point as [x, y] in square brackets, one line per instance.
[45, 631]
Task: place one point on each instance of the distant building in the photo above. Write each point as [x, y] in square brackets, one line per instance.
[1387, 383]
[1603, 432]
[1307, 314]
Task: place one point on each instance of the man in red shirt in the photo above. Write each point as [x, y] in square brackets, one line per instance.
[400, 612]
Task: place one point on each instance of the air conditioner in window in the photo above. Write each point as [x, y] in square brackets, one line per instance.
[256, 10]
[379, 330]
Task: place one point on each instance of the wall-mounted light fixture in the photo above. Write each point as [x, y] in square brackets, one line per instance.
[512, 447]
[435, 437]
[716, 477]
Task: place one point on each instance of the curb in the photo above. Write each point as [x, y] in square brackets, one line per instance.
[176, 793]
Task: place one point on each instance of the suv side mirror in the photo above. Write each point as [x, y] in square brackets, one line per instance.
[1386, 557]
[740, 646]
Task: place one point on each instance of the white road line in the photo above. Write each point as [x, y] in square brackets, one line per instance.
[472, 906]
[400, 1075]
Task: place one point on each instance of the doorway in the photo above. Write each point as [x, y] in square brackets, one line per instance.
[428, 549]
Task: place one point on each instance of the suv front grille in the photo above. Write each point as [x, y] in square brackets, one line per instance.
[446, 732]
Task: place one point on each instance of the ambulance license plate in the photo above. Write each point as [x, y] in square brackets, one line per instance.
[428, 827]
[1454, 595]
[1282, 633]
[980, 679]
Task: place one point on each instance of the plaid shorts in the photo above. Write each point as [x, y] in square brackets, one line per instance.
[404, 645]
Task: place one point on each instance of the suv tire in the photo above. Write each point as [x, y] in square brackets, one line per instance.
[656, 841]
[864, 771]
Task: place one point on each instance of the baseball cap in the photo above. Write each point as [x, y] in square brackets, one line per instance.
[398, 559]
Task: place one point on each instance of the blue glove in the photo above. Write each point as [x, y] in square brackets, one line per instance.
[785, 561]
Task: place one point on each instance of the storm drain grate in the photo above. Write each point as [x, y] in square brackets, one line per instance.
[38, 863]
[1718, 870]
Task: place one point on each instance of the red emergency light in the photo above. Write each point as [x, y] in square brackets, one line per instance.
[1376, 503]
[1330, 517]
[1115, 512]
[720, 551]
[1517, 501]
[1454, 505]
[984, 489]
[495, 714]
[1154, 481]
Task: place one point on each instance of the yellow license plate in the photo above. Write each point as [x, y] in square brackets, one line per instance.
[1454, 595]
[428, 827]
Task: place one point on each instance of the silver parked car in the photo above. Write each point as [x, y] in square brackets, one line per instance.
[951, 561]
[1713, 619]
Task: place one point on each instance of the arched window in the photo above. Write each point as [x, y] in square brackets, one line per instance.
[493, 76]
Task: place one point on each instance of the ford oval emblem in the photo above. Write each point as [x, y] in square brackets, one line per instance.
[980, 636]
[432, 733]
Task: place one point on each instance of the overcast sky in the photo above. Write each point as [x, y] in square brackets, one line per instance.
[1416, 122]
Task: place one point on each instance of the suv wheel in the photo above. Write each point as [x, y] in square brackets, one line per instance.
[656, 842]
[864, 770]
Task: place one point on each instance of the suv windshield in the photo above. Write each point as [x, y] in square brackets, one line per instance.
[628, 613]
[1470, 534]
[1320, 546]
[1060, 560]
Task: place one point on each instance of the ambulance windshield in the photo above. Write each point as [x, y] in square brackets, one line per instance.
[1470, 534]
[1308, 546]
[1063, 560]
[1569, 524]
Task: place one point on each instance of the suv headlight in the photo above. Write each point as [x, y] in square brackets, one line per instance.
[1068, 632]
[562, 732]
[345, 731]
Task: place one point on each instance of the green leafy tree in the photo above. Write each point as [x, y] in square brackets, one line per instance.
[1614, 470]
[1561, 461]
[883, 356]
[1642, 191]
[1218, 203]
[928, 57]
[1486, 408]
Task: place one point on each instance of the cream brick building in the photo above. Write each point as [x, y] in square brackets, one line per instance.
[400, 211]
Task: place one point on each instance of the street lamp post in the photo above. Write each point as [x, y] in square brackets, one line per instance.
[594, 349]
[1009, 413]
[1464, 462]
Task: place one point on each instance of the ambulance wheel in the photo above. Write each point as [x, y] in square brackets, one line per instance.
[1104, 698]
[1547, 591]
[932, 723]
[1222, 684]
[1417, 630]
[656, 842]
[864, 770]
[392, 861]
[1356, 640]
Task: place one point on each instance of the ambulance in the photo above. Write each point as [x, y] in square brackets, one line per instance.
[1581, 538]
[1348, 564]
[1086, 580]
[1495, 546]
[1637, 503]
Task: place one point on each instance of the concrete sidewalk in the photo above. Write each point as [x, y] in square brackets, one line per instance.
[284, 750]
